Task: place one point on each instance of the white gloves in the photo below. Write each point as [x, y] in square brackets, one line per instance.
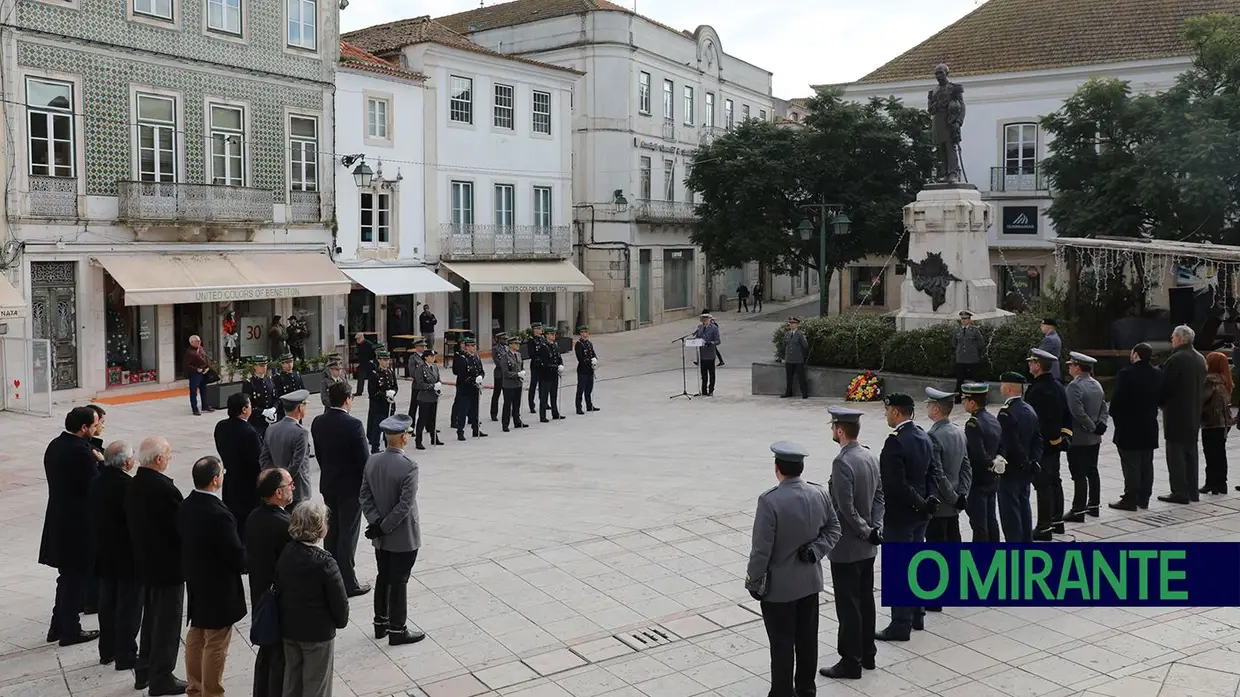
[1000, 465]
[270, 414]
[439, 388]
[478, 381]
[521, 375]
[559, 370]
[391, 396]
[593, 362]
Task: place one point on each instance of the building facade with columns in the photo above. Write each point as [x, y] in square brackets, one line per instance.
[166, 178]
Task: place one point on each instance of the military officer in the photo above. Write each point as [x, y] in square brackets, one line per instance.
[262, 391]
[1052, 344]
[427, 388]
[587, 363]
[1020, 451]
[970, 345]
[383, 388]
[1088, 405]
[511, 375]
[1050, 402]
[415, 365]
[389, 500]
[535, 349]
[955, 476]
[909, 492]
[981, 433]
[498, 349]
[857, 497]
[286, 380]
[468, 369]
[794, 529]
[549, 381]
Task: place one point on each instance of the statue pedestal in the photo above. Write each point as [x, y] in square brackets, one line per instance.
[949, 259]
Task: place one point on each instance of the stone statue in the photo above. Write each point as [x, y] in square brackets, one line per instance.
[946, 107]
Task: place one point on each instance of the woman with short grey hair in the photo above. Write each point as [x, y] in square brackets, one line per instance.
[313, 603]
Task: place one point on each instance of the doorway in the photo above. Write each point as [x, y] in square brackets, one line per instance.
[643, 289]
[53, 306]
[187, 320]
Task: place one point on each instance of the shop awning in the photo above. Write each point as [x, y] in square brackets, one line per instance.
[169, 279]
[12, 304]
[521, 276]
[394, 280]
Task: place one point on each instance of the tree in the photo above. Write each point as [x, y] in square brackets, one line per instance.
[871, 158]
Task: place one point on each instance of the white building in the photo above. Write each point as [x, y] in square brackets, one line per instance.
[498, 176]
[1012, 78]
[650, 96]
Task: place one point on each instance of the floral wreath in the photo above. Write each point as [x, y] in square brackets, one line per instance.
[866, 387]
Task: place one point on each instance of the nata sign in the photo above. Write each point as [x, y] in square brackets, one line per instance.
[1020, 220]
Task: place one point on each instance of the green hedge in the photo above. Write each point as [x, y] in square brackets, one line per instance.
[871, 342]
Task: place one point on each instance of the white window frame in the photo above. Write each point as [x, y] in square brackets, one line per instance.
[300, 159]
[729, 114]
[462, 215]
[505, 206]
[376, 128]
[669, 100]
[50, 115]
[644, 175]
[304, 14]
[744, 113]
[1020, 165]
[504, 106]
[669, 180]
[150, 8]
[157, 128]
[540, 120]
[762, 114]
[227, 135]
[544, 216]
[458, 107]
[689, 106]
[227, 8]
[643, 93]
[710, 109]
[377, 229]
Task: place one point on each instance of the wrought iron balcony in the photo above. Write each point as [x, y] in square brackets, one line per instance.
[180, 203]
[53, 197]
[1019, 178]
[648, 211]
[465, 242]
[669, 129]
[304, 207]
[708, 134]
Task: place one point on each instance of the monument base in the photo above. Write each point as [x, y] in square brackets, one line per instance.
[920, 320]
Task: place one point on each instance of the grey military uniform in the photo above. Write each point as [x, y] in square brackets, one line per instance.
[425, 377]
[954, 477]
[857, 495]
[796, 347]
[969, 344]
[286, 444]
[789, 516]
[328, 381]
[509, 368]
[1088, 405]
[1052, 344]
[389, 497]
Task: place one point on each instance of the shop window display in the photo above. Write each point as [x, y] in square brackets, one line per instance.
[131, 350]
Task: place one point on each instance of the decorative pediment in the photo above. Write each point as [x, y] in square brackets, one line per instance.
[709, 53]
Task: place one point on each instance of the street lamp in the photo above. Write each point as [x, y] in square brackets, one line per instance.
[363, 175]
[840, 224]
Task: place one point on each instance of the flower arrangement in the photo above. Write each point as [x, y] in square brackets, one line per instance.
[866, 387]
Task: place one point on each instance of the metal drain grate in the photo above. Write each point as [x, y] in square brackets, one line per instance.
[647, 638]
[1160, 519]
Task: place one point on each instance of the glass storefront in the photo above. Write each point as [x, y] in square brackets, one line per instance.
[307, 317]
[132, 349]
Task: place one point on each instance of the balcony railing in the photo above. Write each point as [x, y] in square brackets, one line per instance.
[647, 211]
[464, 242]
[53, 197]
[669, 130]
[709, 134]
[169, 202]
[304, 207]
[1018, 178]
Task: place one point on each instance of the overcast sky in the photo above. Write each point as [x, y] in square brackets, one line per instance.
[801, 42]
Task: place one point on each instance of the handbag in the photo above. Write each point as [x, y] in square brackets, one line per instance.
[210, 377]
[265, 623]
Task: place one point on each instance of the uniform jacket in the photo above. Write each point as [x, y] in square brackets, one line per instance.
[70, 465]
[313, 601]
[1049, 400]
[114, 548]
[284, 384]
[328, 381]
[467, 368]
[390, 498]
[536, 349]
[266, 533]
[1021, 440]
[969, 344]
[796, 347]
[1184, 381]
[498, 351]
[509, 369]
[151, 511]
[955, 475]
[982, 433]
[1088, 406]
[789, 516]
[906, 464]
[213, 560]
[857, 495]
[554, 360]
[262, 392]
[1134, 406]
[341, 448]
[584, 350]
[1052, 344]
[1216, 406]
[240, 448]
[382, 380]
[286, 444]
[425, 377]
[710, 334]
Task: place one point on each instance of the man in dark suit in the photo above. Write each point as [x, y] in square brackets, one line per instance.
[151, 512]
[213, 559]
[266, 533]
[1183, 383]
[70, 465]
[240, 447]
[1049, 400]
[342, 451]
[120, 597]
[1020, 451]
[1134, 414]
[365, 362]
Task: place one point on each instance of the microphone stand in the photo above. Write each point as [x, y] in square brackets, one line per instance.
[684, 376]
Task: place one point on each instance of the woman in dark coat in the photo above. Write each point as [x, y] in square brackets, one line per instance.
[313, 603]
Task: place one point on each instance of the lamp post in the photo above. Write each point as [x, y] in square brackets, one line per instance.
[840, 224]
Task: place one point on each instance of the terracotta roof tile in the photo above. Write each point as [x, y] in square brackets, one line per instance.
[509, 14]
[385, 39]
[353, 57]
[1021, 35]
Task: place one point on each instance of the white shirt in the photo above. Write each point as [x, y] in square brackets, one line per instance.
[897, 426]
[1009, 399]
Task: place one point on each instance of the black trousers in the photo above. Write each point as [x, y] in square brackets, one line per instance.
[375, 416]
[427, 414]
[465, 407]
[392, 588]
[742, 304]
[70, 592]
[496, 393]
[343, 526]
[984, 515]
[1086, 485]
[1214, 446]
[792, 629]
[120, 618]
[90, 601]
[363, 376]
[943, 529]
[965, 372]
[585, 388]
[160, 644]
[795, 370]
[853, 583]
[512, 406]
[903, 618]
[269, 671]
[1015, 515]
[549, 395]
[413, 407]
[757, 302]
[1138, 468]
[534, 375]
[1049, 486]
[1182, 468]
[707, 369]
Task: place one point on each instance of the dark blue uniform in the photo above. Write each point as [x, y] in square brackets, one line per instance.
[1049, 401]
[981, 434]
[262, 392]
[536, 348]
[1020, 443]
[286, 383]
[467, 368]
[549, 382]
[381, 380]
[585, 373]
[908, 480]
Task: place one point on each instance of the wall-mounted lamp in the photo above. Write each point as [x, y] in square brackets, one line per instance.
[618, 198]
[362, 175]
